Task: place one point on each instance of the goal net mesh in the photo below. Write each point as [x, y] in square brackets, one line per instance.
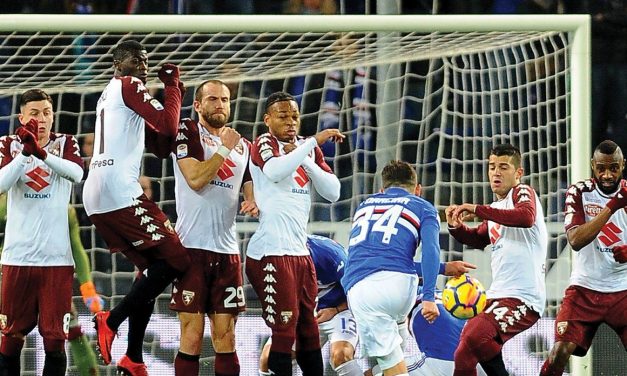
[438, 100]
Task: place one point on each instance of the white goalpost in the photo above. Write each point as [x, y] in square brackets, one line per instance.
[436, 91]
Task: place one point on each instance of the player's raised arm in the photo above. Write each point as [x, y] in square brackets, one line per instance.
[130, 61]
[323, 178]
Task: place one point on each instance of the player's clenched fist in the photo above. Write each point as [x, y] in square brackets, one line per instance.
[619, 200]
[229, 137]
[620, 253]
[169, 74]
[29, 142]
[31, 126]
[329, 134]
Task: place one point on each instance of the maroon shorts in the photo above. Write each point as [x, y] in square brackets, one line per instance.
[36, 295]
[509, 316]
[583, 310]
[137, 228]
[287, 289]
[212, 284]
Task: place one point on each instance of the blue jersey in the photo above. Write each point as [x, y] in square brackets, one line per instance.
[329, 258]
[387, 229]
[440, 339]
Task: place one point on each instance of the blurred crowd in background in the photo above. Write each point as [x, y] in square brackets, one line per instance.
[609, 31]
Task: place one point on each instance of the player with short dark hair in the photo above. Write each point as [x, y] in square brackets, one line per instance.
[37, 170]
[596, 226]
[210, 170]
[114, 200]
[380, 278]
[514, 226]
[284, 169]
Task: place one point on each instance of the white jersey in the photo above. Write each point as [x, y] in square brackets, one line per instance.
[594, 266]
[206, 218]
[519, 254]
[123, 111]
[37, 231]
[284, 198]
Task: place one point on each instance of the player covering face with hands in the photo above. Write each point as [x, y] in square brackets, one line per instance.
[37, 170]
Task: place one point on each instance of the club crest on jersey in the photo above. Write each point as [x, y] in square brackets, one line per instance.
[168, 226]
[188, 297]
[286, 316]
[561, 327]
[55, 149]
[181, 151]
[239, 149]
[155, 103]
[592, 209]
[3, 322]
[206, 139]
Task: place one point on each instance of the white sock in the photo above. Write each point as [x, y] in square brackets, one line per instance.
[350, 368]
[403, 331]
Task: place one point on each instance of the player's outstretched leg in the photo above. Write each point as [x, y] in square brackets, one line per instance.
[105, 335]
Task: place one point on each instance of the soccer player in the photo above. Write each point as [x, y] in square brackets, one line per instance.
[514, 225]
[284, 169]
[82, 353]
[596, 226]
[437, 342]
[37, 170]
[210, 169]
[335, 322]
[380, 279]
[115, 203]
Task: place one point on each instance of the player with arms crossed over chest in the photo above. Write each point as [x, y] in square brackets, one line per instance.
[278, 265]
[596, 228]
[211, 165]
[514, 225]
[37, 170]
[127, 220]
[335, 321]
[380, 277]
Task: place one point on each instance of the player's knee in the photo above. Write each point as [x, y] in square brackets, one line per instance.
[224, 342]
[561, 353]
[479, 339]
[390, 360]
[282, 343]
[191, 336]
[223, 333]
[341, 354]
[54, 345]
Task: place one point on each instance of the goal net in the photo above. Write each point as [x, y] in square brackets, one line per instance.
[436, 91]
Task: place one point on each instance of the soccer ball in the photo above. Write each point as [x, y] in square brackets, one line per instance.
[464, 297]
